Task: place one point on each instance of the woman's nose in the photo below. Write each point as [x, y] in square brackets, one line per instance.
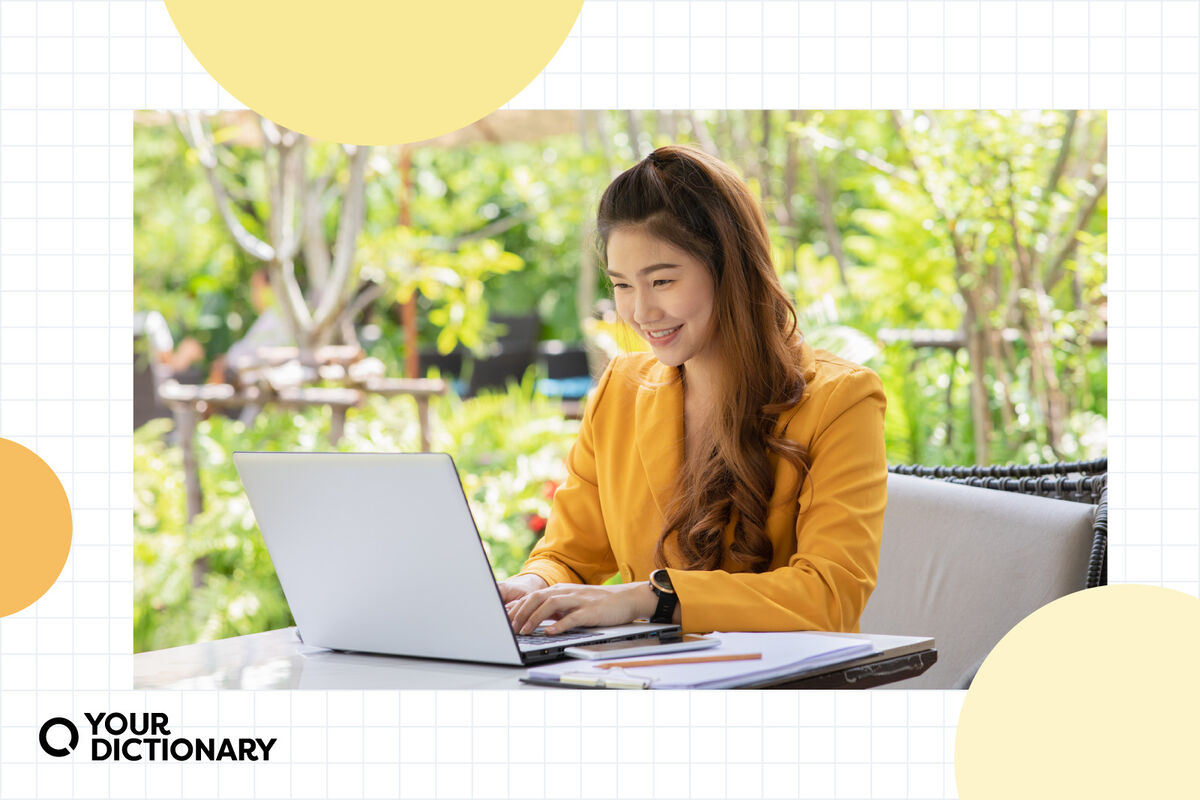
[645, 309]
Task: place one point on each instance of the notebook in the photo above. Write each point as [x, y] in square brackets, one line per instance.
[782, 654]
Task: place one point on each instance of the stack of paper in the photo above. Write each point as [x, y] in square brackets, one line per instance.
[782, 654]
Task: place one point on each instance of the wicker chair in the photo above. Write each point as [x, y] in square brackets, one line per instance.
[964, 564]
[1078, 481]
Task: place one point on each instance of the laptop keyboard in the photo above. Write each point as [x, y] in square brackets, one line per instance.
[543, 638]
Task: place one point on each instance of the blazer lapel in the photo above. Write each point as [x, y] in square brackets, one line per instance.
[658, 427]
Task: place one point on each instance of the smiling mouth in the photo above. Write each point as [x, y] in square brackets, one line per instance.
[663, 334]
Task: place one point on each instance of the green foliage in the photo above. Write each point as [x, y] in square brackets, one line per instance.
[188, 267]
[451, 282]
[550, 188]
[238, 592]
[509, 448]
[963, 207]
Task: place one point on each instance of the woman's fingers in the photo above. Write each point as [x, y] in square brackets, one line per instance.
[571, 605]
[519, 586]
[540, 606]
[551, 603]
[513, 609]
[521, 607]
[524, 608]
[575, 619]
[599, 606]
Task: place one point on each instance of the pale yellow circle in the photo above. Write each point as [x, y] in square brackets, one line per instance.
[1094, 696]
[35, 527]
[374, 71]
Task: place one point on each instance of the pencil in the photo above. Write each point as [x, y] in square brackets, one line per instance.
[654, 662]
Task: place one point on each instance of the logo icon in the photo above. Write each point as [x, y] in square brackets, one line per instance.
[44, 739]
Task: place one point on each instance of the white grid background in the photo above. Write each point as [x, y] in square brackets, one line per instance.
[71, 73]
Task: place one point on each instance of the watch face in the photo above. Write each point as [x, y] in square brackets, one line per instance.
[661, 579]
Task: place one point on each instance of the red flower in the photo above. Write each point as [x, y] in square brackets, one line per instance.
[537, 523]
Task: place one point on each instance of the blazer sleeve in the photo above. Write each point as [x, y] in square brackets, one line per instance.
[827, 581]
[575, 546]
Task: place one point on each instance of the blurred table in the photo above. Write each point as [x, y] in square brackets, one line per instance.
[279, 660]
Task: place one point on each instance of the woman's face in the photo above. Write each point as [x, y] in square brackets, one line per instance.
[664, 293]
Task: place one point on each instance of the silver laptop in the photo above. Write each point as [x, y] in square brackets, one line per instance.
[379, 553]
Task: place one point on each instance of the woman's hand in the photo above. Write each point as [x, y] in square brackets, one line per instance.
[574, 605]
[519, 586]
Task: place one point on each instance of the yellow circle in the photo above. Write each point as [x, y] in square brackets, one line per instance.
[1093, 695]
[35, 527]
[374, 71]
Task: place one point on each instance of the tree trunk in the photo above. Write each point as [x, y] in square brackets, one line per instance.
[412, 355]
[606, 144]
[833, 236]
[743, 148]
[700, 131]
[291, 194]
[790, 169]
[1036, 330]
[1008, 412]
[981, 416]
[634, 128]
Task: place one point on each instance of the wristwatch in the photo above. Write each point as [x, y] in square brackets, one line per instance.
[660, 584]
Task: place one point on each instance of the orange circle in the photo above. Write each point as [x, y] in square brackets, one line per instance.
[35, 527]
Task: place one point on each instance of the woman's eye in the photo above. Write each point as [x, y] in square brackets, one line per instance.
[620, 285]
[663, 282]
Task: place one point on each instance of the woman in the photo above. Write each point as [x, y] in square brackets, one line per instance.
[736, 479]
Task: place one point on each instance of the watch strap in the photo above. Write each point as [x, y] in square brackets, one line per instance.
[667, 601]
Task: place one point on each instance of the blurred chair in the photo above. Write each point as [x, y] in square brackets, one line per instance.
[968, 552]
[514, 352]
[566, 370]
[447, 364]
[564, 361]
[567, 375]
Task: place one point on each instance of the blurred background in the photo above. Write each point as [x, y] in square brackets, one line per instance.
[301, 295]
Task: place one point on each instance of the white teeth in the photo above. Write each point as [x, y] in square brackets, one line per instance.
[663, 334]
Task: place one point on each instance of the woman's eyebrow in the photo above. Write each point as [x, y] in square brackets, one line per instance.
[642, 271]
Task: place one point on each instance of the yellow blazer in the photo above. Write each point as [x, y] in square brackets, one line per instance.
[608, 515]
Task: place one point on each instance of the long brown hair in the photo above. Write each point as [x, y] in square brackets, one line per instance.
[694, 201]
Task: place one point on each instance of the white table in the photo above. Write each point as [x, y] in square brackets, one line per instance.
[279, 660]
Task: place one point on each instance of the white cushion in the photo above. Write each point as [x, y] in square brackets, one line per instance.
[964, 565]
